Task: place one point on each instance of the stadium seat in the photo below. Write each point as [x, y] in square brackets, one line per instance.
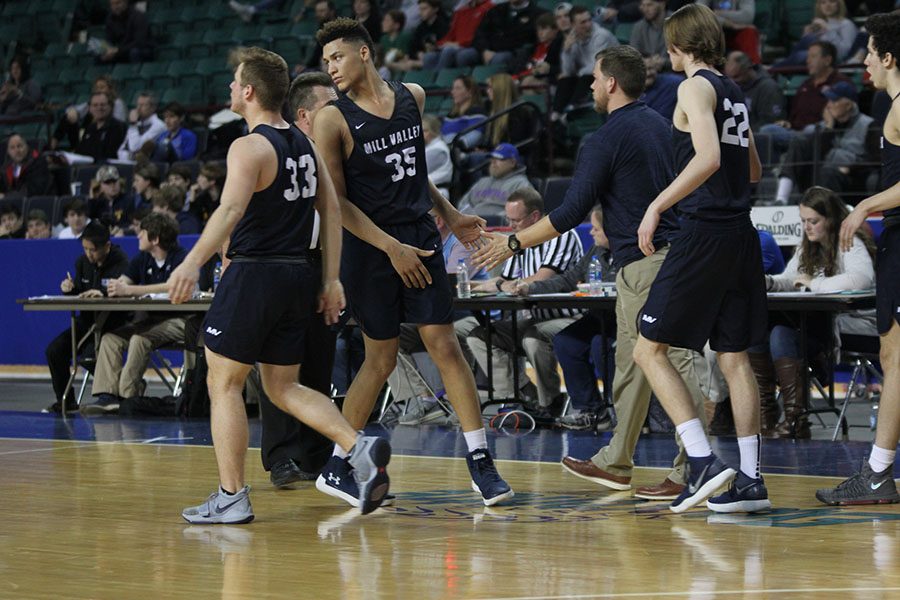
[445, 77]
[423, 77]
[482, 73]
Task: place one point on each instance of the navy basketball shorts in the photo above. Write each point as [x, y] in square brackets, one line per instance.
[887, 279]
[376, 295]
[711, 287]
[261, 312]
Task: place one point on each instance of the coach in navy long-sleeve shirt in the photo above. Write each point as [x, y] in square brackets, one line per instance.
[622, 166]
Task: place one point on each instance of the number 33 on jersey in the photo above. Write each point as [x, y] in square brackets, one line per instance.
[306, 166]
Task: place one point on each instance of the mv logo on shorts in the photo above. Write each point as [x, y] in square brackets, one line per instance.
[648, 319]
[213, 331]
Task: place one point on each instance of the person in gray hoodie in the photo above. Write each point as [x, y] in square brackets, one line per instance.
[487, 198]
[580, 46]
[764, 97]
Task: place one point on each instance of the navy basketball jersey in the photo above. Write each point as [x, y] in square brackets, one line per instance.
[727, 191]
[386, 175]
[890, 171]
[279, 220]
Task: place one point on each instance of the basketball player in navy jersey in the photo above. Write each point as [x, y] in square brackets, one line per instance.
[874, 483]
[711, 285]
[268, 294]
[392, 266]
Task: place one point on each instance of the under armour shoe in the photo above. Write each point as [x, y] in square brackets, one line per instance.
[369, 458]
[222, 508]
[336, 479]
[744, 495]
[705, 476]
[865, 487]
[485, 478]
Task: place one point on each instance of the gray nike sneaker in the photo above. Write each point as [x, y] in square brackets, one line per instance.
[220, 508]
[369, 459]
[866, 487]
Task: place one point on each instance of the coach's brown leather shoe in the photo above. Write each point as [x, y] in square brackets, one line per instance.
[667, 490]
[588, 470]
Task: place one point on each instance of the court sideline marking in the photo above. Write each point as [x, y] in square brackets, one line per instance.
[693, 594]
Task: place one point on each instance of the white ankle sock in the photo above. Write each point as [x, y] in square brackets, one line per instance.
[694, 439]
[880, 459]
[785, 186]
[749, 447]
[475, 439]
[338, 451]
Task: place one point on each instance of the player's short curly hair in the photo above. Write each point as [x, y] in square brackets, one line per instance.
[695, 30]
[350, 30]
[884, 29]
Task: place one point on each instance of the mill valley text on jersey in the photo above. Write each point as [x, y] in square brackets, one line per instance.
[392, 139]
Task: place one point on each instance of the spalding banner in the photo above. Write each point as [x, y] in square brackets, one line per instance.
[783, 222]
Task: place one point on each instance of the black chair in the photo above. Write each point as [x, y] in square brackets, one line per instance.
[862, 352]
[554, 191]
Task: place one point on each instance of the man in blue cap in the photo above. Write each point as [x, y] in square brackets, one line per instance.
[841, 136]
[487, 198]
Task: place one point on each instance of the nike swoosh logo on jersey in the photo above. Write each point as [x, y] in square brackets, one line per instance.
[360, 126]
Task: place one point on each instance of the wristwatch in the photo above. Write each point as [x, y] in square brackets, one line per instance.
[514, 244]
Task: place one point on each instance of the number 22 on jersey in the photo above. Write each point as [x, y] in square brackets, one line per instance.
[736, 127]
[306, 164]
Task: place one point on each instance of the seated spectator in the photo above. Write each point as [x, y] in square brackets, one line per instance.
[108, 201]
[809, 101]
[736, 18]
[38, 225]
[247, 11]
[101, 262]
[25, 171]
[579, 348]
[368, 13]
[467, 110]
[506, 34]
[103, 136]
[170, 202]
[525, 207]
[176, 143]
[203, 196]
[773, 259]
[455, 48]
[647, 35]
[818, 265]
[325, 11]
[78, 116]
[19, 93]
[180, 175]
[512, 127]
[619, 11]
[489, 196]
[145, 186]
[543, 67]
[437, 154]
[144, 127]
[577, 61]
[128, 34]
[394, 42]
[76, 220]
[11, 225]
[433, 25]
[139, 214]
[830, 24]
[563, 20]
[661, 91]
[147, 273]
[764, 97]
[842, 135]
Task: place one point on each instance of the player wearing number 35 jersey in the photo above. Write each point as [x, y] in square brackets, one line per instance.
[392, 267]
[711, 286]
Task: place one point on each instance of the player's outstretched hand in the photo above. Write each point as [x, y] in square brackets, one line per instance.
[468, 229]
[182, 282]
[332, 302]
[494, 251]
[646, 231]
[850, 226]
[406, 262]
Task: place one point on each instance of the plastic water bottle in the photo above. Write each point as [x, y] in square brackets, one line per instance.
[217, 276]
[463, 284]
[595, 276]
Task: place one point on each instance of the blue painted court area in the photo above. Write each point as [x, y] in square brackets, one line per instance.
[803, 457]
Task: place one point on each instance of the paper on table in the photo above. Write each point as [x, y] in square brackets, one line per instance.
[49, 297]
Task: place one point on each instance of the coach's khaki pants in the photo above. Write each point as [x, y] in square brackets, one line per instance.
[139, 339]
[631, 390]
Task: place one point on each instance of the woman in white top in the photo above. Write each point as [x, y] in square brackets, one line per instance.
[830, 24]
[819, 266]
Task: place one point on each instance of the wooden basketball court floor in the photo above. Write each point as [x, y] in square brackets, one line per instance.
[91, 509]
